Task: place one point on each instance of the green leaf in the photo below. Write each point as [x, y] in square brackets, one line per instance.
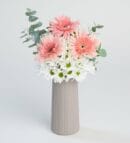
[32, 18]
[94, 29]
[34, 26]
[35, 53]
[102, 53]
[99, 26]
[36, 36]
[28, 9]
[29, 12]
[27, 39]
[30, 46]
[93, 59]
[23, 31]
[100, 46]
[41, 32]
[24, 35]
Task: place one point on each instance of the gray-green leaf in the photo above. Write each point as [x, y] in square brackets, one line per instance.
[26, 40]
[41, 32]
[34, 26]
[102, 53]
[99, 26]
[34, 53]
[29, 13]
[30, 46]
[23, 31]
[24, 35]
[32, 18]
[94, 29]
[36, 36]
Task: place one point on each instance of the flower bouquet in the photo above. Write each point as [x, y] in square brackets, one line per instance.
[65, 54]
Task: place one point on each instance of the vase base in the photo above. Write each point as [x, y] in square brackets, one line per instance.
[65, 133]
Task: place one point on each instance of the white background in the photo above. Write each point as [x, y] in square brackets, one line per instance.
[25, 98]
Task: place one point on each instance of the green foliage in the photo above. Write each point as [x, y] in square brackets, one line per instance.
[102, 53]
[35, 53]
[36, 36]
[23, 31]
[93, 59]
[26, 40]
[30, 46]
[95, 27]
[34, 26]
[33, 32]
[30, 12]
[42, 32]
[25, 34]
[32, 18]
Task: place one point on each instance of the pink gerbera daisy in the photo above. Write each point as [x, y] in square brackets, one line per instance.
[84, 45]
[49, 49]
[63, 26]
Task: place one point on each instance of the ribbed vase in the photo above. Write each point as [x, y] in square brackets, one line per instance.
[65, 108]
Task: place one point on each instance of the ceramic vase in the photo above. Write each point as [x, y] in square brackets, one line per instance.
[65, 108]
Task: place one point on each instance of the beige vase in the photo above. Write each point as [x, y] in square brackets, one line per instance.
[65, 108]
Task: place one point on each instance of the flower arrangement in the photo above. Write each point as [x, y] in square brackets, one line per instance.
[62, 49]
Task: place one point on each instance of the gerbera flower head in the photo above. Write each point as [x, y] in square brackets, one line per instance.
[49, 48]
[85, 45]
[63, 26]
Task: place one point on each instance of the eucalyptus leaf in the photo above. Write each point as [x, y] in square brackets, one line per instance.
[36, 36]
[94, 29]
[34, 26]
[29, 13]
[99, 46]
[24, 35]
[93, 59]
[41, 32]
[102, 53]
[28, 9]
[23, 31]
[99, 26]
[35, 53]
[30, 46]
[26, 40]
[32, 18]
